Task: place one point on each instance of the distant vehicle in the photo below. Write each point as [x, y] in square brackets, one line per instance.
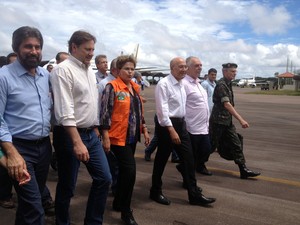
[265, 86]
[250, 82]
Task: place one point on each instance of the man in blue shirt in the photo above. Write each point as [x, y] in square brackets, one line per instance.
[25, 105]
[209, 85]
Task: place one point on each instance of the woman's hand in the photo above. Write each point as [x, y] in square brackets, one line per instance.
[146, 137]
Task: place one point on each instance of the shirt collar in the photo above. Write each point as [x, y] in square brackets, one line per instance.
[211, 83]
[174, 81]
[77, 62]
[20, 70]
[192, 80]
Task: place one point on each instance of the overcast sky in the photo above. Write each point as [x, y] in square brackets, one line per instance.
[258, 35]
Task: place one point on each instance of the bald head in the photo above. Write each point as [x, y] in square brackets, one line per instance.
[178, 68]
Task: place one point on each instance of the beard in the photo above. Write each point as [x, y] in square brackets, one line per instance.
[30, 61]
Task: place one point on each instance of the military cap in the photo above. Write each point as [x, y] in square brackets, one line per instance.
[229, 65]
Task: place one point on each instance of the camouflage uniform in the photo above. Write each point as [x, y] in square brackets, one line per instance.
[222, 131]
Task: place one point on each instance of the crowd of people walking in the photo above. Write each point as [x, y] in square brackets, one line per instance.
[97, 120]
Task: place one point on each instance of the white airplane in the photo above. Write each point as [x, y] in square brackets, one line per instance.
[250, 82]
[53, 62]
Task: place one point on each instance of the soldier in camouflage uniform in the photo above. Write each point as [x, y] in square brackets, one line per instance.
[223, 132]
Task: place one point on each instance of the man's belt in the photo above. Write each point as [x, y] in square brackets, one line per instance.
[85, 130]
[177, 119]
[31, 142]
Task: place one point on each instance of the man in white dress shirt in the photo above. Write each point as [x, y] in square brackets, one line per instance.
[170, 99]
[197, 115]
[77, 137]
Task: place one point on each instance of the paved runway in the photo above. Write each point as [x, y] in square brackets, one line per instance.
[271, 146]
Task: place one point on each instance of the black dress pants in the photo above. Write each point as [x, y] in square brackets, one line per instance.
[184, 151]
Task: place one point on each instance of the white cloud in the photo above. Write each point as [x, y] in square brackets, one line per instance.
[265, 20]
[164, 29]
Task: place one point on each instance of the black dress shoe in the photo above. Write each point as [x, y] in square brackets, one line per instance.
[201, 200]
[53, 162]
[160, 198]
[245, 172]
[203, 170]
[179, 168]
[175, 160]
[147, 157]
[198, 189]
[116, 206]
[128, 218]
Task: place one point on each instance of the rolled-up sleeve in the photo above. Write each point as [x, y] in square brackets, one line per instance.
[4, 132]
[63, 97]
[162, 105]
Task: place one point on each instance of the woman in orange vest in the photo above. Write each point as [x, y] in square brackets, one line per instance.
[122, 122]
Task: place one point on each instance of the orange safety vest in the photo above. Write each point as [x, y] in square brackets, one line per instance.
[120, 113]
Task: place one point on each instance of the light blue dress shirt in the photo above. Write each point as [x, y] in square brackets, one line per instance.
[25, 102]
[209, 87]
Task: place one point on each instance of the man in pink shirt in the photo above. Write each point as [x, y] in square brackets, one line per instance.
[197, 114]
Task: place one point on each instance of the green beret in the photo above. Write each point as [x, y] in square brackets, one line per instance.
[229, 65]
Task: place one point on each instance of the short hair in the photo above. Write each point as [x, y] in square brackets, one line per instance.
[24, 32]
[2, 61]
[123, 59]
[113, 64]
[98, 57]
[189, 60]
[12, 54]
[79, 37]
[137, 74]
[212, 70]
[57, 57]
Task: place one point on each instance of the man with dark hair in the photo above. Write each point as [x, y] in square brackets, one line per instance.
[222, 130]
[61, 56]
[49, 67]
[25, 105]
[76, 135]
[3, 61]
[209, 85]
[11, 57]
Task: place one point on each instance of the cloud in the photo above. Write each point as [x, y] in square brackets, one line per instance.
[214, 30]
[265, 20]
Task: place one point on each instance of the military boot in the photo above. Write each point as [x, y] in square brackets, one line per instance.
[245, 172]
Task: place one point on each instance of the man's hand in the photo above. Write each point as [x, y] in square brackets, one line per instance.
[81, 152]
[235, 114]
[79, 148]
[244, 123]
[25, 178]
[174, 136]
[15, 162]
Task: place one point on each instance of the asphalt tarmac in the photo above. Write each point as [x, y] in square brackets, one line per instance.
[271, 146]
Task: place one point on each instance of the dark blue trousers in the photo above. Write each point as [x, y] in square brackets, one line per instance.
[68, 166]
[37, 156]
